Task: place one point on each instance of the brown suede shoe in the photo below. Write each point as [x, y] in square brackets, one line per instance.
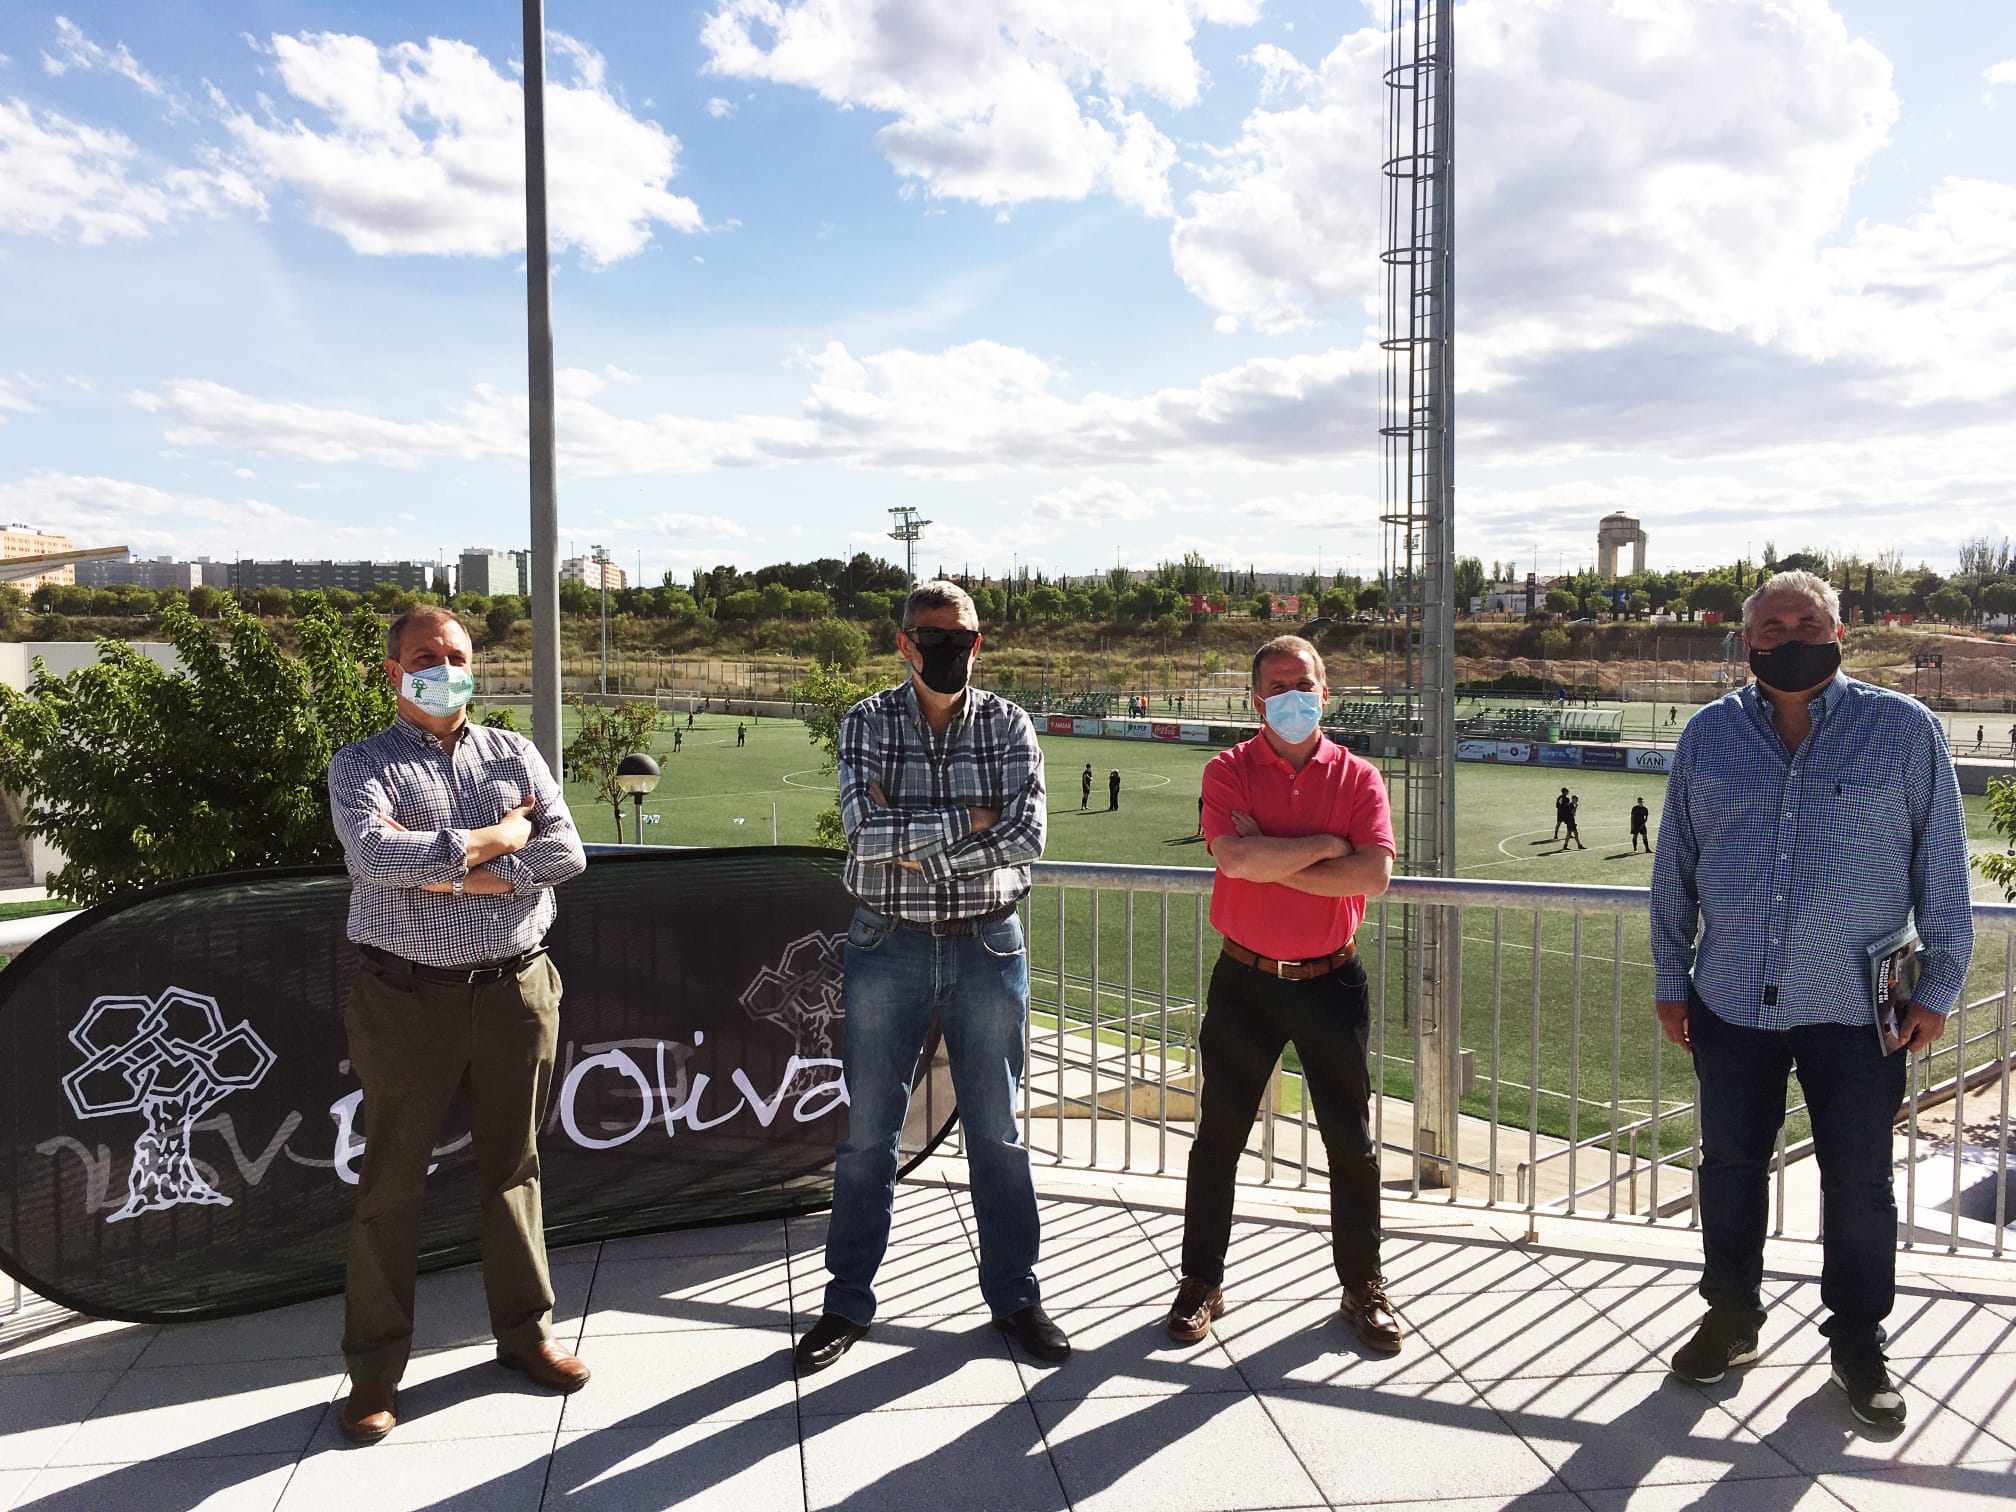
[1366, 1308]
[1197, 1303]
[372, 1411]
[549, 1365]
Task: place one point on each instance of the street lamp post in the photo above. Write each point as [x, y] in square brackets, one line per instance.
[636, 774]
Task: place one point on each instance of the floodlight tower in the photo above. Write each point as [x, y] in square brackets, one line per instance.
[1418, 497]
[909, 528]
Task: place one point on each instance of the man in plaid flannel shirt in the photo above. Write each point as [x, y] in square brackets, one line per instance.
[941, 796]
[455, 836]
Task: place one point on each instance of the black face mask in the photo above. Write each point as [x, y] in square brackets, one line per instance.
[1796, 666]
[944, 669]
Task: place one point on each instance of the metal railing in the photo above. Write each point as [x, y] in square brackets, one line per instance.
[1569, 1095]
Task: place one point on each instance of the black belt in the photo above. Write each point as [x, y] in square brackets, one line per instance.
[1291, 971]
[460, 976]
[942, 927]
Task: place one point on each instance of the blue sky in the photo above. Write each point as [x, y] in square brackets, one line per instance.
[1082, 283]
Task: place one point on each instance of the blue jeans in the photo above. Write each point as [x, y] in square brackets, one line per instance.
[978, 986]
[1852, 1092]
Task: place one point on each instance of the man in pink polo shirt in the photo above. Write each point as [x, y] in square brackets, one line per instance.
[1302, 835]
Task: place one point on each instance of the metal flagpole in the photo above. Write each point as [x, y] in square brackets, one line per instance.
[545, 584]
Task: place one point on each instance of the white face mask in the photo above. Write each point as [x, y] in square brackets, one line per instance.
[1294, 715]
[438, 690]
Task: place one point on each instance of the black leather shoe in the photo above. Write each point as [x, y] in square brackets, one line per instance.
[824, 1342]
[1032, 1329]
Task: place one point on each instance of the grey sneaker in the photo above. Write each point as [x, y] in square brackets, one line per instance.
[1719, 1344]
[1871, 1394]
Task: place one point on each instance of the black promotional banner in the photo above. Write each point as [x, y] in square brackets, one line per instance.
[180, 1130]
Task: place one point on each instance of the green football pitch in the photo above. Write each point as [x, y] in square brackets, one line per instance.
[718, 792]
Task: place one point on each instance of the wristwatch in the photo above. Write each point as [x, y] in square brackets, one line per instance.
[457, 888]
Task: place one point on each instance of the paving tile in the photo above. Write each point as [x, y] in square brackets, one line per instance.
[449, 1309]
[1198, 1452]
[1984, 1486]
[461, 1394]
[1280, 1342]
[1979, 1388]
[469, 1475]
[1500, 1335]
[1797, 1493]
[193, 1411]
[928, 1460]
[1630, 1430]
[307, 1330]
[1662, 1318]
[39, 1413]
[1126, 1351]
[744, 1466]
[12, 1484]
[1924, 1324]
[1267, 1259]
[1445, 1443]
[923, 1363]
[1805, 1417]
[1529, 1501]
[1419, 1267]
[914, 1282]
[695, 1375]
[1584, 1272]
[928, 1228]
[223, 1483]
[764, 1236]
[1110, 1273]
[695, 1291]
[49, 1338]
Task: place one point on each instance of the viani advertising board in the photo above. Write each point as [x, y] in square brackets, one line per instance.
[180, 1129]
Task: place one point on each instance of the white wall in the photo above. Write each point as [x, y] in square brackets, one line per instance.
[64, 657]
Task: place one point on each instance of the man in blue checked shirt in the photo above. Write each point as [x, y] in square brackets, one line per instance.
[1807, 817]
[455, 836]
[941, 795]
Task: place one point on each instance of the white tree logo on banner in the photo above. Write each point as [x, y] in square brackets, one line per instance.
[801, 994]
[170, 1059]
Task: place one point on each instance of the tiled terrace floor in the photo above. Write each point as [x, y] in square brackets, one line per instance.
[1533, 1378]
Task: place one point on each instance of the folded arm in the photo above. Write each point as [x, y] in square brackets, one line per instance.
[553, 853]
[1015, 837]
[877, 833]
[390, 855]
[1364, 873]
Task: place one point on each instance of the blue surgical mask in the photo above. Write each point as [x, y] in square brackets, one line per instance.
[438, 690]
[1294, 715]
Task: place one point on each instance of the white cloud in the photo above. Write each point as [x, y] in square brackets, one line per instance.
[1624, 165]
[420, 149]
[18, 403]
[97, 511]
[75, 50]
[63, 179]
[977, 408]
[1097, 500]
[1021, 100]
[720, 109]
[683, 527]
[2000, 73]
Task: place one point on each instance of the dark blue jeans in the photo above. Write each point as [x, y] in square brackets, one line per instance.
[978, 985]
[1852, 1092]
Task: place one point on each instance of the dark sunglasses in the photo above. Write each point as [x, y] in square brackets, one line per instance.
[930, 637]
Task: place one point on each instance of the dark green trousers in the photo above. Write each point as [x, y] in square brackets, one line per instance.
[413, 1043]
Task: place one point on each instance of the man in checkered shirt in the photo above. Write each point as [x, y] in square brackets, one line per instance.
[941, 795]
[455, 836]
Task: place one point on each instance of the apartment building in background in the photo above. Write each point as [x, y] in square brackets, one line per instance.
[358, 577]
[595, 574]
[490, 573]
[18, 541]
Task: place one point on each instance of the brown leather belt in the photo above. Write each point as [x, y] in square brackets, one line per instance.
[1291, 971]
[457, 976]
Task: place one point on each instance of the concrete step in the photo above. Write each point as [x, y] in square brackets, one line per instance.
[13, 861]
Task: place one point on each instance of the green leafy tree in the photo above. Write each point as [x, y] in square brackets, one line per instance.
[824, 697]
[836, 643]
[1470, 581]
[500, 717]
[1372, 598]
[140, 775]
[1949, 604]
[605, 735]
[1999, 600]
[504, 612]
[1999, 867]
[1560, 601]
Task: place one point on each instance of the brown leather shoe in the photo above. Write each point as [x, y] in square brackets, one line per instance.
[1197, 1303]
[548, 1365]
[1367, 1309]
[371, 1412]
